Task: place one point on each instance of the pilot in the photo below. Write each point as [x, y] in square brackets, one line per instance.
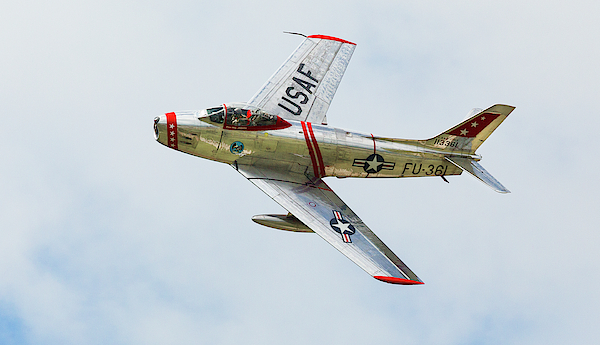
[253, 119]
[260, 118]
[236, 117]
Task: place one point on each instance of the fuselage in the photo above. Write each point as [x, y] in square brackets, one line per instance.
[313, 149]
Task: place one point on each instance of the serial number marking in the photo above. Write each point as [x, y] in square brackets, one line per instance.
[415, 169]
[445, 142]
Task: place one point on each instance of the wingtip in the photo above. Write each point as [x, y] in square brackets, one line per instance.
[394, 280]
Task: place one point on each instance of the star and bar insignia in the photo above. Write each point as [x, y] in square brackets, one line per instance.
[342, 226]
[373, 164]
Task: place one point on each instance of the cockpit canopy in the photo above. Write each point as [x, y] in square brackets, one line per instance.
[242, 116]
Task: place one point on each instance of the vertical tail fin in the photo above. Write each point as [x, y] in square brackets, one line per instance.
[467, 136]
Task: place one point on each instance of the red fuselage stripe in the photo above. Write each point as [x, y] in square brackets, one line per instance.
[374, 146]
[316, 146]
[310, 149]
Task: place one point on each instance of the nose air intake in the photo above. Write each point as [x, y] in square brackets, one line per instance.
[156, 134]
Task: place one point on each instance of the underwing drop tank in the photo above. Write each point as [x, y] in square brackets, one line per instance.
[285, 222]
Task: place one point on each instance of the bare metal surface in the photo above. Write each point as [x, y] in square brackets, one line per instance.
[290, 162]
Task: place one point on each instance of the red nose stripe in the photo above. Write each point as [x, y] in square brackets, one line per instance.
[172, 131]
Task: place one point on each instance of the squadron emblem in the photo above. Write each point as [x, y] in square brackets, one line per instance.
[236, 147]
[373, 164]
[342, 226]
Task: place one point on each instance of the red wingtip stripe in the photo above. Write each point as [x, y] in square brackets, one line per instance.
[331, 38]
[394, 280]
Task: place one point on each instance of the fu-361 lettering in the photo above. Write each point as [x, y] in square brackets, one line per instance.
[415, 169]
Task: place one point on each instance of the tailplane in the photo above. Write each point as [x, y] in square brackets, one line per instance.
[475, 169]
[459, 143]
[462, 140]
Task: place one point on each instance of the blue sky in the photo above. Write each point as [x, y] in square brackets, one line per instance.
[109, 237]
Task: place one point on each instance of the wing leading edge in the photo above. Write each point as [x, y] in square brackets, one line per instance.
[317, 206]
[303, 87]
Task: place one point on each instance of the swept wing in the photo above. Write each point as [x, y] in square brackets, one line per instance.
[317, 206]
[303, 87]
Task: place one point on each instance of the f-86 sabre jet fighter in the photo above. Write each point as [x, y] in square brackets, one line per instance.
[280, 141]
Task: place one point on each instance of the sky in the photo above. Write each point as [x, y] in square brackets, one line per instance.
[110, 237]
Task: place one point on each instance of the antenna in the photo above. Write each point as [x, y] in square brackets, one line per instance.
[294, 33]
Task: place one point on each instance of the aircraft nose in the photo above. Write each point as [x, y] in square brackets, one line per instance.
[165, 130]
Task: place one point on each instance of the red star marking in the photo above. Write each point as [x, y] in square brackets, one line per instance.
[471, 129]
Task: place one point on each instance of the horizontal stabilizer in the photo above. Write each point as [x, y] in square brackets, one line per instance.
[475, 169]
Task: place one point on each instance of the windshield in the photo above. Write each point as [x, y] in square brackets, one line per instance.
[216, 115]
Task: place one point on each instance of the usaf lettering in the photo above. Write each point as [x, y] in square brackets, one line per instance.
[292, 93]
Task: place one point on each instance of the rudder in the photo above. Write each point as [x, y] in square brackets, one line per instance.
[467, 136]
